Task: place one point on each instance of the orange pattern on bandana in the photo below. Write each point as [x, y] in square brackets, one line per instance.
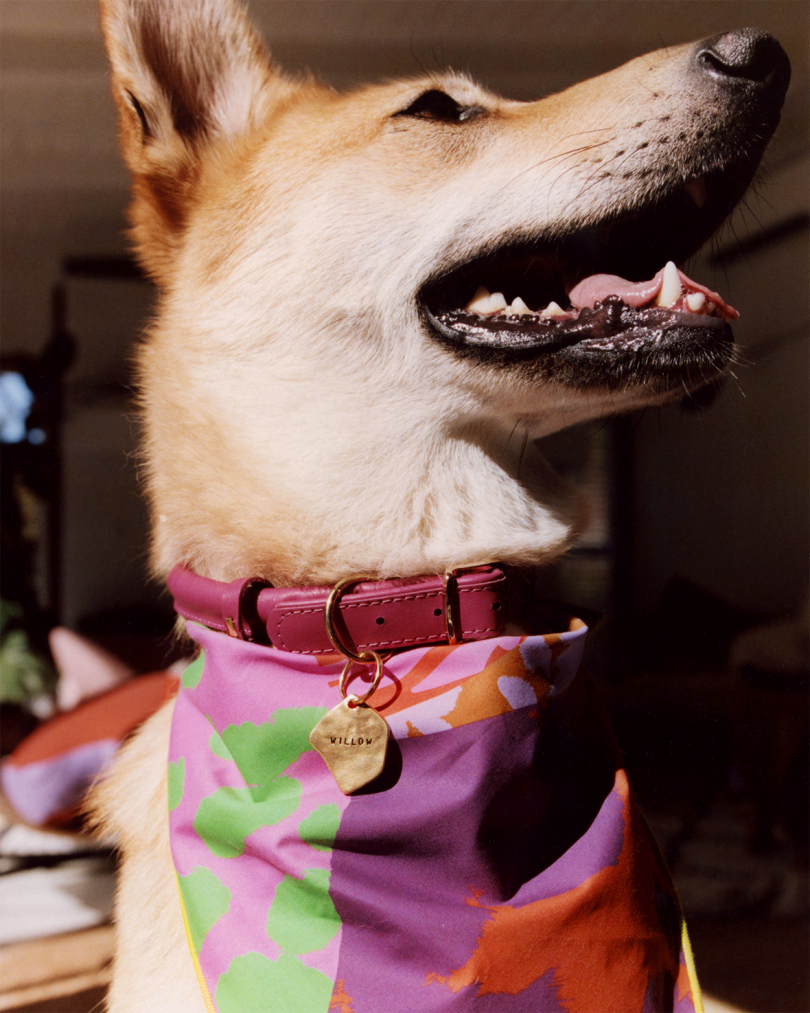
[605, 915]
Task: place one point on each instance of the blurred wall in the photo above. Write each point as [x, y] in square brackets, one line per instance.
[720, 499]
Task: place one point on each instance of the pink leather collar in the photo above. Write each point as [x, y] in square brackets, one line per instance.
[379, 615]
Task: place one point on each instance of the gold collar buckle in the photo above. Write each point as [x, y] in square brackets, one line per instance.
[452, 618]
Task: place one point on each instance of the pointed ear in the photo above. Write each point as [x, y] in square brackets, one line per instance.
[187, 75]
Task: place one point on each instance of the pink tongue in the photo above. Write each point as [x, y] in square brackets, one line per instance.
[598, 287]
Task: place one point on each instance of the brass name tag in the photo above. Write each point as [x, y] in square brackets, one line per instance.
[353, 740]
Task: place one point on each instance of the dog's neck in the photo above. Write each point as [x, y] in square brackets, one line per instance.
[381, 494]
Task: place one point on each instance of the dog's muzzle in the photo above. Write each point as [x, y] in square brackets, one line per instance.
[565, 305]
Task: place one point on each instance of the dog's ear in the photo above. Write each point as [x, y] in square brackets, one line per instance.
[187, 75]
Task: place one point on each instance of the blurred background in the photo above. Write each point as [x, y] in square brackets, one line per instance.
[698, 547]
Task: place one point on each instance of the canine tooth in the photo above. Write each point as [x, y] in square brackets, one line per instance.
[483, 303]
[518, 307]
[552, 310]
[670, 286]
[481, 295]
[695, 301]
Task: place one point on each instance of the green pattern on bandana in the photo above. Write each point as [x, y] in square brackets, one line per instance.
[193, 673]
[205, 901]
[227, 817]
[176, 778]
[262, 752]
[218, 747]
[252, 980]
[302, 916]
[320, 828]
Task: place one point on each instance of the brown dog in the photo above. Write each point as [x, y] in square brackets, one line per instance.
[371, 305]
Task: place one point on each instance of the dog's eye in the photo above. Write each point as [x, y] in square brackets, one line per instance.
[438, 105]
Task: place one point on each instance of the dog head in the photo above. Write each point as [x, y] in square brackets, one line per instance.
[323, 391]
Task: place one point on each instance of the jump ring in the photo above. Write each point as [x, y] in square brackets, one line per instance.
[375, 682]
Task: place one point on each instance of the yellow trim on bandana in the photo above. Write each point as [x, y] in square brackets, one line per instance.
[686, 944]
[689, 960]
[209, 1004]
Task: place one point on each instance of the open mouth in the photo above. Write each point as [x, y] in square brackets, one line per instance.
[604, 306]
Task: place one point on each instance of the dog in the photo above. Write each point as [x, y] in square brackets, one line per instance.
[371, 307]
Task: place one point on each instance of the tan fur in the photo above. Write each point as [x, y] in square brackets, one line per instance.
[153, 966]
[298, 423]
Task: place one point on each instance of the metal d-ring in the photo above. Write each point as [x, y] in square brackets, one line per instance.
[328, 611]
[368, 658]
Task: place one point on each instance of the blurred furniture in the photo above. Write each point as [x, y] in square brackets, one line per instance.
[771, 670]
[60, 966]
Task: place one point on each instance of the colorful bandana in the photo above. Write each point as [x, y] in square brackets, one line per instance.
[498, 864]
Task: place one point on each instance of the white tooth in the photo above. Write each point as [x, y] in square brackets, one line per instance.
[695, 301]
[552, 310]
[670, 287]
[518, 307]
[481, 295]
[485, 304]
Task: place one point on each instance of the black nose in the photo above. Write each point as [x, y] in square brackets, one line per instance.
[748, 56]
